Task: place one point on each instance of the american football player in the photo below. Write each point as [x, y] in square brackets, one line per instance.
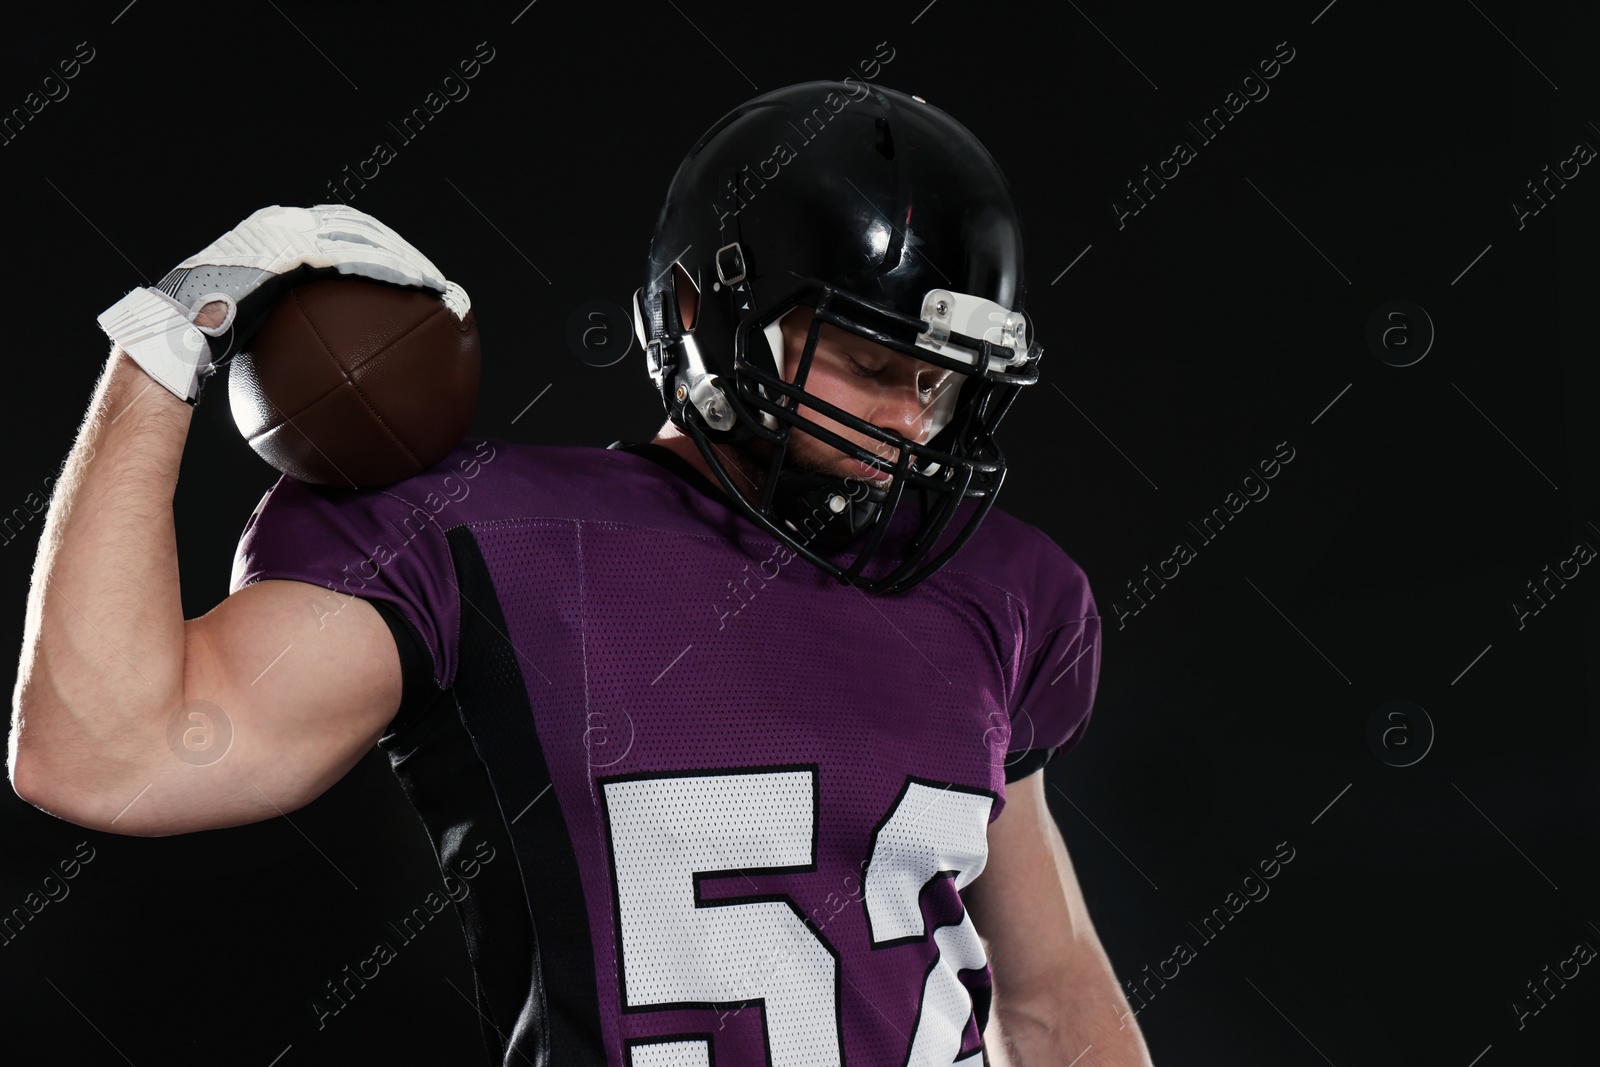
[735, 736]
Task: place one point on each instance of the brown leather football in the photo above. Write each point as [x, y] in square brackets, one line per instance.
[355, 384]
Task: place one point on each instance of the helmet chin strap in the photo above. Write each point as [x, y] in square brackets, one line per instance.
[824, 510]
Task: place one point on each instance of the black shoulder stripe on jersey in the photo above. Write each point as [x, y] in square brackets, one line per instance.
[452, 788]
[432, 756]
[419, 691]
[1021, 764]
[557, 976]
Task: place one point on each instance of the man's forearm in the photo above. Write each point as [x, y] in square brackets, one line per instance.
[1082, 1009]
[103, 636]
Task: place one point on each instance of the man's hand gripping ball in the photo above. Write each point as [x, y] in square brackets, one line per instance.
[244, 272]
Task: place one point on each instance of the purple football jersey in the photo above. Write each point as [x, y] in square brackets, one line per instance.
[738, 800]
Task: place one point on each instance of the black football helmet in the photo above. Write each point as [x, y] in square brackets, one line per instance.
[893, 222]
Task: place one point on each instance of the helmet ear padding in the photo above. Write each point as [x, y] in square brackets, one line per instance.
[776, 343]
[773, 331]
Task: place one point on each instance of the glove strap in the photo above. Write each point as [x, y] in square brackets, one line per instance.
[158, 334]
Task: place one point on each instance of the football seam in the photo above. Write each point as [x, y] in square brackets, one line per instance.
[388, 348]
[300, 306]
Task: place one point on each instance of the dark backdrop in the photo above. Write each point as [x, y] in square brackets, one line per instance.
[1184, 343]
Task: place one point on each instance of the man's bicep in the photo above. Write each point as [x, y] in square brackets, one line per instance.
[298, 683]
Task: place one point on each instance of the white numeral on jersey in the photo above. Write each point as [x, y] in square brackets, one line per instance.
[668, 832]
[931, 831]
[665, 831]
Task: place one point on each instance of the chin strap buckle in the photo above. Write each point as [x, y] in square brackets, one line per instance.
[824, 511]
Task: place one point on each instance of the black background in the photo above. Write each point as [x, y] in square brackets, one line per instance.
[1224, 318]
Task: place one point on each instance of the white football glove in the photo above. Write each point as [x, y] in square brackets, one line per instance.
[248, 268]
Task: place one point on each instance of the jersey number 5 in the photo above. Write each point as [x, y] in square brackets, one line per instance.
[668, 833]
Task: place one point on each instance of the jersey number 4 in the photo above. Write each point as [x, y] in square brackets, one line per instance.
[669, 833]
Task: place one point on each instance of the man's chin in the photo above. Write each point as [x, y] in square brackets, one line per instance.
[837, 465]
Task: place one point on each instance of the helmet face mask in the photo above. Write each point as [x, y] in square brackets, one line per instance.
[922, 465]
[808, 240]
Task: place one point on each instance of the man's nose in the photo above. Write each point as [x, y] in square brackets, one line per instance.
[904, 413]
[908, 411]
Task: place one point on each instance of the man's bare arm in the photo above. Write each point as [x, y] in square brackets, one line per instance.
[1055, 994]
[108, 659]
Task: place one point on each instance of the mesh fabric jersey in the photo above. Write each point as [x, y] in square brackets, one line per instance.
[718, 807]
